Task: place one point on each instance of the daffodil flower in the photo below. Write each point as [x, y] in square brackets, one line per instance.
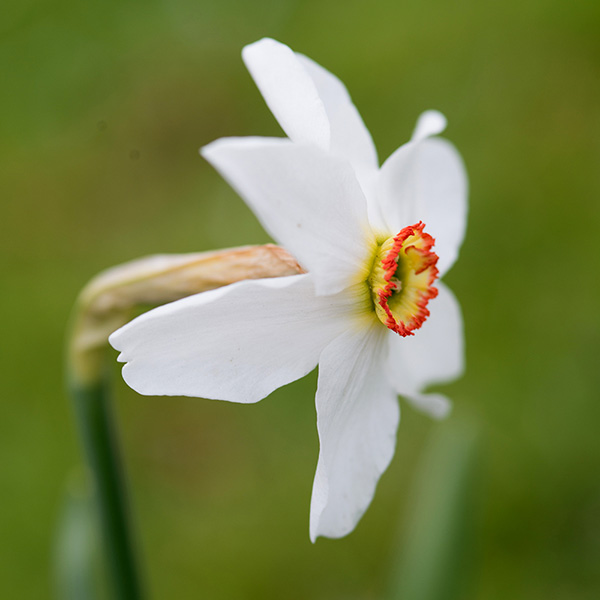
[370, 309]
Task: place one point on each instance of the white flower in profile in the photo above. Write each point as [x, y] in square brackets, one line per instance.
[367, 311]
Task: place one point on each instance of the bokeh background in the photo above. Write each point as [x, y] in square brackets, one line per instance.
[103, 106]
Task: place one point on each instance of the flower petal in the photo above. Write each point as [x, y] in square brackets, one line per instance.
[425, 180]
[435, 354]
[358, 415]
[237, 343]
[431, 122]
[289, 91]
[309, 201]
[436, 406]
[349, 136]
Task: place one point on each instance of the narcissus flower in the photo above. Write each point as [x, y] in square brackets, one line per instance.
[370, 309]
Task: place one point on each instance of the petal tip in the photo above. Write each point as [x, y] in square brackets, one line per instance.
[431, 122]
[263, 42]
[264, 49]
[442, 410]
[113, 340]
[207, 151]
[436, 406]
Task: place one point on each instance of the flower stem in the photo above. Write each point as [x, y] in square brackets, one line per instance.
[94, 416]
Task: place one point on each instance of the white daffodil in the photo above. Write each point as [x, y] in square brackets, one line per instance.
[370, 311]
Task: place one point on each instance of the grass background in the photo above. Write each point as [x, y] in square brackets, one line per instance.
[103, 108]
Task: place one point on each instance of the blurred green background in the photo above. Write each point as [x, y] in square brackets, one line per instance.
[103, 106]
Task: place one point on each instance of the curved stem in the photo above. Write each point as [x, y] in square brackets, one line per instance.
[92, 406]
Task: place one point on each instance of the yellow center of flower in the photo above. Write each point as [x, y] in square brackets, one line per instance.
[401, 279]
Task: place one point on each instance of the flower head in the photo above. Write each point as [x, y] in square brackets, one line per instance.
[370, 311]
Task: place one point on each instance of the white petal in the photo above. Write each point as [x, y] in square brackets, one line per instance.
[307, 200]
[435, 354]
[358, 415]
[436, 406]
[426, 181]
[431, 122]
[237, 343]
[349, 136]
[289, 91]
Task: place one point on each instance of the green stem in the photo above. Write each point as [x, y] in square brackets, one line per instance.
[92, 405]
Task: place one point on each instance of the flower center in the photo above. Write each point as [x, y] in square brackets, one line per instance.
[402, 278]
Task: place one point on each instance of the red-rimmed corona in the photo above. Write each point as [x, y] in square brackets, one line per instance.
[402, 278]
